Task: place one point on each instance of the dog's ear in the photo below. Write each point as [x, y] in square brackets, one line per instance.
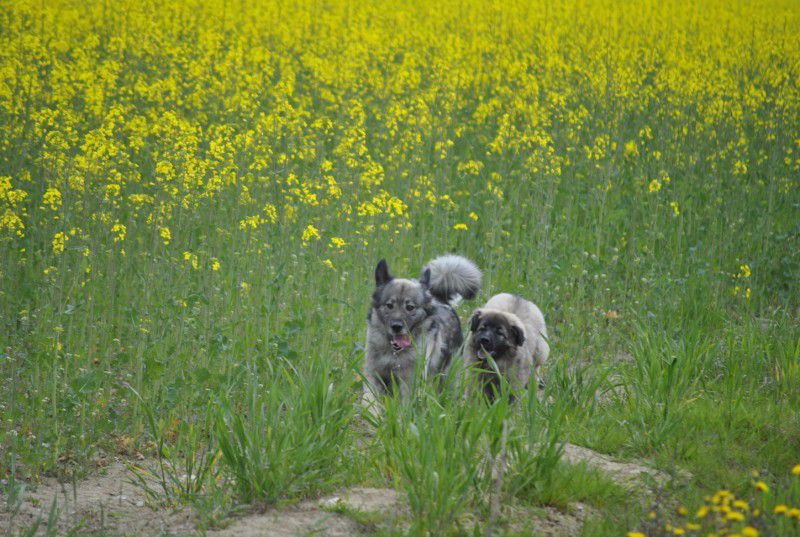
[475, 321]
[382, 275]
[425, 279]
[517, 335]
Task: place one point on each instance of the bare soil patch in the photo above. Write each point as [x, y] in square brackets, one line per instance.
[108, 502]
[105, 502]
[625, 473]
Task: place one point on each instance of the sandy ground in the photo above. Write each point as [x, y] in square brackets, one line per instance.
[107, 502]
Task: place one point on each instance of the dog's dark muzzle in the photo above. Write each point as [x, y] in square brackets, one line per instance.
[485, 342]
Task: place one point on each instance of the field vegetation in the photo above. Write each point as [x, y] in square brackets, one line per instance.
[194, 195]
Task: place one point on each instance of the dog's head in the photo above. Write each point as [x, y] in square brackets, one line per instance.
[399, 305]
[495, 333]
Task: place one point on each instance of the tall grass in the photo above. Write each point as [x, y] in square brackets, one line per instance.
[205, 188]
[293, 438]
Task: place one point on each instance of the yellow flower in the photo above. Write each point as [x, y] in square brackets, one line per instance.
[760, 485]
[744, 271]
[631, 149]
[679, 531]
[749, 531]
[328, 263]
[473, 216]
[52, 197]
[460, 227]
[214, 263]
[191, 258]
[310, 232]
[796, 469]
[635, 534]
[165, 234]
[735, 516]
[702, 512]
[794, 512]
[59, 241]
[742, 505]
[675, 208]
[655, 185]
[244, 288]
[119, 231]
[780, 509]
[691, 526]
[337, 242]
[682, 511]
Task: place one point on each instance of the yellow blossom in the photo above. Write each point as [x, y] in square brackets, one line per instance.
[52, 198]
[244, 288]
[119, 231]
[328, 263]
[631, 149]
[59, 241]
[744, 271]
[734, 516]
[655, 185]
[310, 232]
[192, 259]
[460, 227]
[165, 234]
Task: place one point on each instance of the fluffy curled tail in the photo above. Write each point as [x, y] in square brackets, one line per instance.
[449, 277]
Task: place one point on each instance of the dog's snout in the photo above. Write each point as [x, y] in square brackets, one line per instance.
[484, 341]
[396, 326]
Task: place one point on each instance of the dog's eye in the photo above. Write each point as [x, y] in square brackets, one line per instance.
[410, 307]
[389, 305]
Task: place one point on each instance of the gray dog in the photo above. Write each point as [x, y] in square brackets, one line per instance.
[511, 330]
[410, 318]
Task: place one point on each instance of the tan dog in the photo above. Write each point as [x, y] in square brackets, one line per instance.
[511, 330]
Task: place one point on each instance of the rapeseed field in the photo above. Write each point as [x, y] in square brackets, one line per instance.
[194, 195]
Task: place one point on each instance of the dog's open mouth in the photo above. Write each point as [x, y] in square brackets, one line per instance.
[483, 354]
[401, 341]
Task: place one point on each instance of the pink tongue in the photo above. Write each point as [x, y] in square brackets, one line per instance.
[403, 341]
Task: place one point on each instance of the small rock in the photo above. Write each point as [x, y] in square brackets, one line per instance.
[331, 503]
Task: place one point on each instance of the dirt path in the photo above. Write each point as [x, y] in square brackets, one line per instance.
[104, 502]
[319, 517]
[626, 474]
[108, 502]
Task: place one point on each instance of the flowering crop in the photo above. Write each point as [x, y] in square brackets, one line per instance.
[193, 195]
[124, 120]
